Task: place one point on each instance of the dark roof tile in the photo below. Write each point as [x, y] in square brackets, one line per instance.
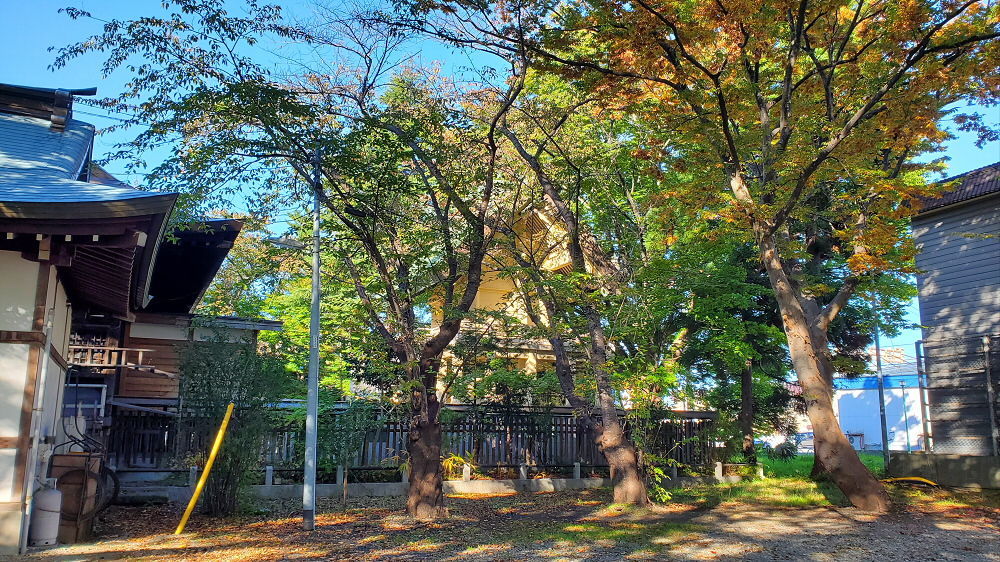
[970, 185]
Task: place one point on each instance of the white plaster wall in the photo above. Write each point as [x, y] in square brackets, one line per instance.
[60, 318]
[51, 397]
[7, 457]
[158, 331]
[18, 278]
[13, 368]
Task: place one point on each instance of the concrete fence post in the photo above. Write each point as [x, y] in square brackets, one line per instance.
[340, 474]
[466, 472]
[404, 476]
[523, 472]
[673, 472]
[718, 470]
[193, 476]
[760, 471]
[576, 470]
[268, 475]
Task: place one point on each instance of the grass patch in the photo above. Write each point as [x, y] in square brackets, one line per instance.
[801, 465]
[777, 492]
[945, 499]
[644, 534]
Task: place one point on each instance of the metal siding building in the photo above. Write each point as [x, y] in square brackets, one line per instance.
[958, 242]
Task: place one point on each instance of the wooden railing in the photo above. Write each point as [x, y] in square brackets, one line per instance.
[94, 356]
[99, 357]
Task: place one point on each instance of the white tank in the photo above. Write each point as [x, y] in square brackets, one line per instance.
[45, 511]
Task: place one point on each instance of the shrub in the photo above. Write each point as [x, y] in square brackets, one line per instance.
[213, 374]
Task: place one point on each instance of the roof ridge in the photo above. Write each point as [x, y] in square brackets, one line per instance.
[963, 174]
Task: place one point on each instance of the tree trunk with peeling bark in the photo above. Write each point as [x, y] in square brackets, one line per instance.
[623, 458]
[628, 483]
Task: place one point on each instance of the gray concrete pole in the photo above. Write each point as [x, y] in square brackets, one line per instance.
[906, 419]
[881, 393]
[312, 394]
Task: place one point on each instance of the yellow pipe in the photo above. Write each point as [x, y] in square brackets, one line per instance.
[208, 468]
[911, 480]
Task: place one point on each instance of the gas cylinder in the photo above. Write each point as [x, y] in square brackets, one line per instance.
[45, 511]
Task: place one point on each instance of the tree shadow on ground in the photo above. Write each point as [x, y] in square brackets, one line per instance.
[704, 523]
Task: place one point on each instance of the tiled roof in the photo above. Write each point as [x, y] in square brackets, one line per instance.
[41, 165]
[977, 183]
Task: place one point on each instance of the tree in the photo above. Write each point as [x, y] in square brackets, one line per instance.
[558, 137]
[409, 179]
[786, 112]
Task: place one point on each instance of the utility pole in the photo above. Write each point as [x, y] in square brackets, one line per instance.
[906, 420]
[312, 393]
[881, 391]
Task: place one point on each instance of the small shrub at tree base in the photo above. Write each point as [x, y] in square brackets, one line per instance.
[783, 451]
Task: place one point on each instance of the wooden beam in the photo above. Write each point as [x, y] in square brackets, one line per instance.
[30, 337]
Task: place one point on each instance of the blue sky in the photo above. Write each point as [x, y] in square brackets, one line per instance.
[29, 27]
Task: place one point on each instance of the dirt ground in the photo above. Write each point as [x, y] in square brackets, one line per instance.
[557, 526]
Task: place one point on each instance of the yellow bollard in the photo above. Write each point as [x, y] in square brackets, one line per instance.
[208, 468]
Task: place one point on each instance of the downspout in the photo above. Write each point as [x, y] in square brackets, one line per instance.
[32, 459]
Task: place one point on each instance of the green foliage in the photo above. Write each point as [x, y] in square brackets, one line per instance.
[783, 451]
[454, 464]
[213, 374]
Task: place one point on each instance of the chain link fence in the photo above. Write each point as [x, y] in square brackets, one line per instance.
[963, 390]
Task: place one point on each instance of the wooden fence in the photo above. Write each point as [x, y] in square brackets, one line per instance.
[493, 438]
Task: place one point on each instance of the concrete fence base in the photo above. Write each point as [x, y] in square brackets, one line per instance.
[948, 470]
[154, 493]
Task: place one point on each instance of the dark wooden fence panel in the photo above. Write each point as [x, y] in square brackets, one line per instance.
[141, 440]
[504, 438]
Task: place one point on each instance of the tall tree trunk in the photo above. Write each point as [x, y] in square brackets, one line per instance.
[745, 418]
[425, 497]
[817, 469]
[623, 459]
[808, 347]
[622, 456]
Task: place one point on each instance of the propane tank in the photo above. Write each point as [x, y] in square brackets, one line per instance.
[45, 511]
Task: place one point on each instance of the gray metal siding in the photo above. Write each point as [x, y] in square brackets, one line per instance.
[959, 256]
[959, 286]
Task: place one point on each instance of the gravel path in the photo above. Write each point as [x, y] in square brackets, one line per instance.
[752, 533]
